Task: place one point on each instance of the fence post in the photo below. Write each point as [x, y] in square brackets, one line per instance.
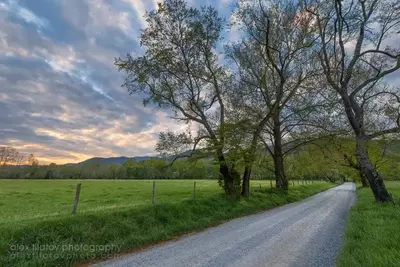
[270, 181]
[153, 200]
[298, 182]
[194, 190]
[302, 182]
[76, 201]
[293, 183]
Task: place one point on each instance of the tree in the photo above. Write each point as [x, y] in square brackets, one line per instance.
[51, 169]
[276, 68]
[8, 155]
[19, 159]
[340, 151]
[131, 166]
[32, 160]
[180, 71]
[116, 171]
[354, 73]
[33, 165]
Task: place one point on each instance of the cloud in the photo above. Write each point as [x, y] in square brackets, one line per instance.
[103, 15]
[61, 96]
[15, 9]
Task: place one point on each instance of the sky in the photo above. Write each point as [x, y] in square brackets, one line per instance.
[60, 94]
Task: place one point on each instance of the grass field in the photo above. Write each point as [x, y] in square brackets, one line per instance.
[37, 228]
[29, 199]
[26, 200]
[373, 232]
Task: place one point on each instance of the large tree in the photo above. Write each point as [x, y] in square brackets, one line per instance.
[180, 71]
[355, 53]
[276, 67]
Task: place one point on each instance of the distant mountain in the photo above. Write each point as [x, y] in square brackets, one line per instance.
[109, 161]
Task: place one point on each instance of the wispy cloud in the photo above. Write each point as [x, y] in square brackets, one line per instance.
[61, 95]
[25, 14]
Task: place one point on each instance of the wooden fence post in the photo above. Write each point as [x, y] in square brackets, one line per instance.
[270, 181]
[76, 201]
[153, 200]
[194, 190]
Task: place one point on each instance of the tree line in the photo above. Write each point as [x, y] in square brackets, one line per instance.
[301, 71]
[322, 159]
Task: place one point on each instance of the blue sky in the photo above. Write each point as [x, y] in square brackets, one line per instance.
[60, 95]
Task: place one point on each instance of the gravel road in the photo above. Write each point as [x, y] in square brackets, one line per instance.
[306, 233]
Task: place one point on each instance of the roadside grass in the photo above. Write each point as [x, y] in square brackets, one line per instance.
[103, 234]
[372, 235]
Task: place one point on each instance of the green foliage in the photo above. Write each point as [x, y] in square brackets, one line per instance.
[129, 227]
[326, 158]
[180, 169]
[372, 233]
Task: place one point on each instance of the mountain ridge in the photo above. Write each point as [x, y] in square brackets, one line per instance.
[110, 160]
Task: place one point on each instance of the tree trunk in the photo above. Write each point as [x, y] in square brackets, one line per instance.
[281, 181]
[370, 173]
[246, 180]
[249, 160]
[364, 181]
[280, 177]
[356, 119]
[229, 178]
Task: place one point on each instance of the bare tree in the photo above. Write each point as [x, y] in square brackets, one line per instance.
[8, 155]
[32, 161]
[33, 165]
[180, 71]
[19, 159]
[355, 53]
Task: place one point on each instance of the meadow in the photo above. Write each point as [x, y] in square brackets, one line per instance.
[24, 200]
[116, 217]
[373, 231]
[39, 199]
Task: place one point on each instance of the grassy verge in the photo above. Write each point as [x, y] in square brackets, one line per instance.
[373, 232]
[68, 240]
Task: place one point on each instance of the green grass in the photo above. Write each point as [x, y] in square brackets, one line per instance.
[26, 200]
[373, 231]
[38, 229]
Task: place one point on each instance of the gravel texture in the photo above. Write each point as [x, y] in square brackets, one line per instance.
[306, 233]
